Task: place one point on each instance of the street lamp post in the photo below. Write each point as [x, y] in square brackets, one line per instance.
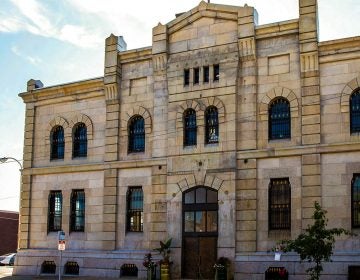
[5, 159]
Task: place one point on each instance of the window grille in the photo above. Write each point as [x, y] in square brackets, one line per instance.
[276, 273]
[48, 267]
[211, 125]
[216, 72]
[186, 77]
[279, 119]
[54, 211]
[77, 216]
[206, 74]
[57, 143]
[279, 204]
[355, 201]
[196, 76]
[355, 112]
[129, 270]
[71, 268]
[190, 128]
[135, 205]
[136, 135]
[80, 141]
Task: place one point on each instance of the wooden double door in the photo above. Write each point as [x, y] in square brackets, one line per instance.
[200, 233]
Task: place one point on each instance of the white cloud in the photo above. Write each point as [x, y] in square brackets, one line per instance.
[33, 60]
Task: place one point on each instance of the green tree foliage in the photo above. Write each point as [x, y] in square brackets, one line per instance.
[316, 244]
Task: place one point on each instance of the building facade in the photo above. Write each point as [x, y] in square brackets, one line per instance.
[9, 224]
[221, 136]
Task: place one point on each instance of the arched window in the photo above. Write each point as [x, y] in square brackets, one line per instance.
[135, 206]
[77, 206]
[279, 204]
[190, 128]
[355, 112]
[57, 143]
[80, 140]
[279, 119]
[136, 135]
[211, 125]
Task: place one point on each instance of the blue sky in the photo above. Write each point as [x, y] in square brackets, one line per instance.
[60, 41]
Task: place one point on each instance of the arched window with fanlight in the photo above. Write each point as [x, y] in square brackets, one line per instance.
[279, 119]
[136, 135]
[57, 142]
[355, 112]
[211, 125]
[80, 140]
[190, 128]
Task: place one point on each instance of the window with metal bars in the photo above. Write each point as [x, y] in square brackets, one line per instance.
[80, 140]
[279, 119]
[48, 267]
[129, 269]
[279, 204]
[54, 211]
[355, 112]
[77, 206]
[190, 128]
[135, 206]
[71, 268]
[57, 143]
[355, 201]
[136, 135]
[211, 125]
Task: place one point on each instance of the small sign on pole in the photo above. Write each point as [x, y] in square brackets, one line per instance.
[61, 245]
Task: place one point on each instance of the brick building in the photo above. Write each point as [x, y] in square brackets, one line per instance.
[221, 135]
[9, 224]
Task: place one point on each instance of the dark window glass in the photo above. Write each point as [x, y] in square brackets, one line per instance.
[279, 119]
[186, 77]
[57, 143]
[77, 216]
[279, 204]
[211, 125]
[80, 141]
[355, 201]
[190, 128]
[71, 268]
[136, 135]
[206, 74]
[54, 211]
[135, 209]
[200, 206]
[216, 72]
[196, 75]
[355, 112]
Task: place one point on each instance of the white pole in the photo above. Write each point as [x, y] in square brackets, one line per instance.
[60, 265]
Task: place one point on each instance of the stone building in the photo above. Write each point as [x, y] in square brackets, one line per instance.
[221, 136]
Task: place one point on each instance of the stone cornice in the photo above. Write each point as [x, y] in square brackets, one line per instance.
[277, 29]
[135, 55]
[87, 89]
[342, 49]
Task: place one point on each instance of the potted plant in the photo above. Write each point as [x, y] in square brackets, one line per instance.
[221, 268]
[164, 251]
[150, 266]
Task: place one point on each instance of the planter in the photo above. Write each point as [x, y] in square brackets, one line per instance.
[164, 271]
[220, 273]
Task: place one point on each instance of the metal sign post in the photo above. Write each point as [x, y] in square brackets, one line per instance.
[61, 247]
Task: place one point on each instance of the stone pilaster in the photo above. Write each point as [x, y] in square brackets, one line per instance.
[112, 86]
[24, 215]
[160, 117]
[246, 132]
[247, 79]
[310, 99]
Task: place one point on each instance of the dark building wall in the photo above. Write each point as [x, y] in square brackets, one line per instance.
[9, 222]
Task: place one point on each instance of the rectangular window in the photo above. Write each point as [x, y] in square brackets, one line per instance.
[355, 201]
[77, 215]
[216, 72]
[206, 74]
[186, 77]
[196, 76]
[279, 204]
[54, 211]
[135, 205]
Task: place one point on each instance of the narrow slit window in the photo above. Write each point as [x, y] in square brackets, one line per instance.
[196, 76]
[206, 74]
[216, 72]
[186, 77]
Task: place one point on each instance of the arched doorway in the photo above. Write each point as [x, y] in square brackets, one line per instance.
[200, 232]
